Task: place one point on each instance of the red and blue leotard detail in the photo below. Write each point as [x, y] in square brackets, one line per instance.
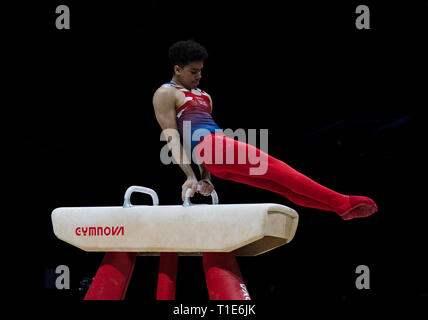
[197, 110]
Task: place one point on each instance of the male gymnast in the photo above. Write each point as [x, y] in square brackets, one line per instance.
[180, 100]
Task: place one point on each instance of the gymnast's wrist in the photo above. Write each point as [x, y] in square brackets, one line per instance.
[191, 177]
[206, 177]
[205, 174]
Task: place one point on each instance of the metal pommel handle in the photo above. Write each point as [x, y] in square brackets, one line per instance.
[187, 202]
[130, 190]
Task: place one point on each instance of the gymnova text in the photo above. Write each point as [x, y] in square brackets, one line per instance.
[217, 152]
[100, 231]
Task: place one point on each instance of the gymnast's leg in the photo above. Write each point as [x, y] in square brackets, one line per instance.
[298, 199]
[279, 177]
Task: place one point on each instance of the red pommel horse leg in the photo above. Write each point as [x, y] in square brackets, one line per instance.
[224, 280]
[167, 276]
[112, 278]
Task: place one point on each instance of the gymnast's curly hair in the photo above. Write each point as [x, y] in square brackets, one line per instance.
[182, 53]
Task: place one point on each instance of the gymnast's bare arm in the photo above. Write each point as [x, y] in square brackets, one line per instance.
[164, 102]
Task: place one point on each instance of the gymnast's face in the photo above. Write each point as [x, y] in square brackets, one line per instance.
[190, 75]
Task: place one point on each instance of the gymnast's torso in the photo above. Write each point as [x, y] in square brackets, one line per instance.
[193, 107]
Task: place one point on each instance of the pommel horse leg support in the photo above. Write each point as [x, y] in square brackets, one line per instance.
[167, 276]
[224, 280]
[112, 278]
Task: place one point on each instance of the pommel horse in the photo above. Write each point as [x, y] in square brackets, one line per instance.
[217, 232]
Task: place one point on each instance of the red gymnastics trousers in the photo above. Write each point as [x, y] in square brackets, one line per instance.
[233, 160]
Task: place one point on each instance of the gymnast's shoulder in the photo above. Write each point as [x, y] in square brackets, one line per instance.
[165, 91]
[165, 88]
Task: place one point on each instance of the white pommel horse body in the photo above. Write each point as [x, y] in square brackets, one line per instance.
[217, 232]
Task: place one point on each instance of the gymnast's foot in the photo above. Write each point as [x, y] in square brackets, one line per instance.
[358, 207]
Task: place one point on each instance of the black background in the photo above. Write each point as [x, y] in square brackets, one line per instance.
[343, 106]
